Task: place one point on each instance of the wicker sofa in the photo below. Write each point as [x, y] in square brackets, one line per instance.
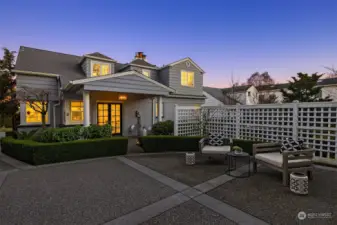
[268, 154]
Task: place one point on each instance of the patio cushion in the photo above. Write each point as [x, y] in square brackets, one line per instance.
[215, 149]
[290, 145]
[215, 139]
[276, 159]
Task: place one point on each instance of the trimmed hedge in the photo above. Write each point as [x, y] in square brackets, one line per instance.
[246, 145]
[66, 134]
[163, 143]
[163, 128]
[37, 153]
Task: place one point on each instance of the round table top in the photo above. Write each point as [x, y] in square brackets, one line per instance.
[242, 154]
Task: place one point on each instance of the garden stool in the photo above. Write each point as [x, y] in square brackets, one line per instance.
[299, 183]
[190, 158]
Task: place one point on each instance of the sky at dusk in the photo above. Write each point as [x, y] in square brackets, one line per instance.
[225, 37]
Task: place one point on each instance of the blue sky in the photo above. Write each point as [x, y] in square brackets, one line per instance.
[223, 37]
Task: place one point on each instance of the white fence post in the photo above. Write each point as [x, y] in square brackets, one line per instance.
[295, 119]
[237, 121]
[175, 120]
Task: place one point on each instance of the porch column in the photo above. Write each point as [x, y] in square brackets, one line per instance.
[160, 108]
[86, 108]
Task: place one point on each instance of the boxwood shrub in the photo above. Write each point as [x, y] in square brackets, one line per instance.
[66, 134]
[162, 143]
[38, 153]
[246, 145]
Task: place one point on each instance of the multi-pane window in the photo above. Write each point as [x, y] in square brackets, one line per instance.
[187, 78]
[100, 69]
[76, 111]
[146, 73]
[33, 116]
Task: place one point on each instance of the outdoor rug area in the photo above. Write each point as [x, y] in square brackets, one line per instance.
[173, 165]
[263, 195]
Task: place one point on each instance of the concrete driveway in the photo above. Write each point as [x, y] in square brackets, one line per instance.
[110, 191]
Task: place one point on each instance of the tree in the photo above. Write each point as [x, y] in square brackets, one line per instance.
[332, 71]
[232, 94]
[304, 89]
[8, 103]
[37, 99]
[257, 79]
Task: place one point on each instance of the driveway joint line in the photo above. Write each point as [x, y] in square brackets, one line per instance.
[189, 193]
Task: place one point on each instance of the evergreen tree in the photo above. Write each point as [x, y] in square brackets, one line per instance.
[8, 103]
[304, 89]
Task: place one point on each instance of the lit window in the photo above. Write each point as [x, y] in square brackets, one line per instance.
[146, 73]
[100, 69]
[31, 115]
[76, 111]
[187, 78]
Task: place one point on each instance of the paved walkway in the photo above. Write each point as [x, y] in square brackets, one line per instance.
[108, 191]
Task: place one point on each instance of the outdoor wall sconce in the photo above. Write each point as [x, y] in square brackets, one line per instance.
[122, 97]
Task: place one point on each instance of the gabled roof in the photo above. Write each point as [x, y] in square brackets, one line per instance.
[272, 87]
[218, 94]
[39, 61]
[141, 62]
[183, 60]
[99, 56]
[328, 81]
[237, 89]
[115, 75]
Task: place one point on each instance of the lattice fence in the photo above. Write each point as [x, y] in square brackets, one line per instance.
[315, 123]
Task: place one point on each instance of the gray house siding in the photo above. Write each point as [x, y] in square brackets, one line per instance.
[153, 73]
[164, 76]
[175, 79]
[130, 83]
[39, 82]
[87, 66]
[169, 105]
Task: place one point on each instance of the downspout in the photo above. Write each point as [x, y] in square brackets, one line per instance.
[59, 100]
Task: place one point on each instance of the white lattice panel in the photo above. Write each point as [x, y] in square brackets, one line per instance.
[317, 127]
[221, 120]
[270, 124]
[315, 123]
[187, 121]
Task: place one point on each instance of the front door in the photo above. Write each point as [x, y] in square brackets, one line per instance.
[110, 113]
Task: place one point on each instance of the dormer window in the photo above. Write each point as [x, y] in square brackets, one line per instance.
[187, 78]
[100, 69]
[146, 72]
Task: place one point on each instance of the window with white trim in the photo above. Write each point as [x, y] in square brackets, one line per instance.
[187, 78]
[100, 69]
[76, 111]
[32, 116]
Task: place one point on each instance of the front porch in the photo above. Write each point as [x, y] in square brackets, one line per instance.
[122, 100]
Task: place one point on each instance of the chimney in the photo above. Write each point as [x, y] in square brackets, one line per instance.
[140, 55]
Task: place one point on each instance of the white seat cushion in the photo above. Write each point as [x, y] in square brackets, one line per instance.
[215, 149]
[276, 159]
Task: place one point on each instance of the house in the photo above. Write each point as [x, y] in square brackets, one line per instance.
[249, 94]
[96, 89]
[216, 97]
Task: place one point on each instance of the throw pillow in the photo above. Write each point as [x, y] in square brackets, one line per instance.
[215, 139]
[286, 146]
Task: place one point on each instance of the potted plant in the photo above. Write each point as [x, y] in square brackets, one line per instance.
[237, 150]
